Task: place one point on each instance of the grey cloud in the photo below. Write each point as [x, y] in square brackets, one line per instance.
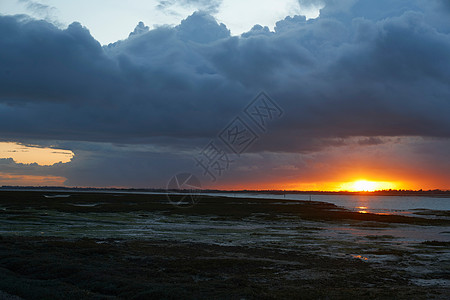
[92, 166]
[257, 30]
[202, 28]
[139, 29]
[443, 4]
[98, 164]
[137, 89]
[40, 10]
[62, 84]
[209, 6]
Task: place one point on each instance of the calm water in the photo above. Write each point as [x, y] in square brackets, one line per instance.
[375, 204]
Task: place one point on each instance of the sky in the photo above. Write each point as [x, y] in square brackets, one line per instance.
[113, 20]
[307, 94]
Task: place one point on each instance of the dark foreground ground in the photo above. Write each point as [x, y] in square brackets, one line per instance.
[82, 264]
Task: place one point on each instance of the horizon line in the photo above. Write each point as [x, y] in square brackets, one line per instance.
[221, 190]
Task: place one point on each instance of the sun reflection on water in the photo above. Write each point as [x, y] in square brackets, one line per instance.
[362, 209]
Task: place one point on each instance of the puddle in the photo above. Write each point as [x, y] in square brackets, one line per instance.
[360, 257]
[57, 196]
[85, 204]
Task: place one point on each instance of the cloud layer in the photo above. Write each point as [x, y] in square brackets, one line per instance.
[362, 69]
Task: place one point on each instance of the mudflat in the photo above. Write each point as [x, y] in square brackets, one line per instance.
[129, 246]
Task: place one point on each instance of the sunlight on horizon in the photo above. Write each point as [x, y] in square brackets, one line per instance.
[363, 185]
[28, 154]
[357, 185]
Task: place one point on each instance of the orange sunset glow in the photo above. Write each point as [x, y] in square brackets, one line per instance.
[358, 185]
[347, 185]
[30, 180]
[29, 154]
[367, 186]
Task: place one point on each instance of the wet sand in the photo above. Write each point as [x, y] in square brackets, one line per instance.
[105, 246]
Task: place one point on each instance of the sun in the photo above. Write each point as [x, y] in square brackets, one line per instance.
[365, 186]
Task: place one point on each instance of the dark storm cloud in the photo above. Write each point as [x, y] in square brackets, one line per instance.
[445, 4]
[370, 77]
[362, 69]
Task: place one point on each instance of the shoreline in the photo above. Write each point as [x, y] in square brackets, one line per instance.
[218, 205]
